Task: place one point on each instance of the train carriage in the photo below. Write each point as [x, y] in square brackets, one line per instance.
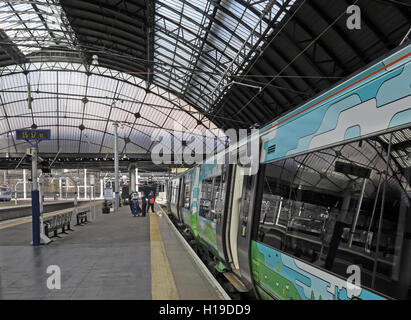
[330, 197]
[5, 193]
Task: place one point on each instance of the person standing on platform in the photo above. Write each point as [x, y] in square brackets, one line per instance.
[134, 205]
[143, 203]
[151, 201]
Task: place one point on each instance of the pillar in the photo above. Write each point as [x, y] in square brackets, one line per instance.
[101, 188]
[35, 204]
[116, 177]
[24, 184]
[136, 179]
[132, 180]
[85, 183]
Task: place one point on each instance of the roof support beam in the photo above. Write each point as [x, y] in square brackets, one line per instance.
[10, 49]
[150, 41]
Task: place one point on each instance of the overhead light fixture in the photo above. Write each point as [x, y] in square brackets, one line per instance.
[94, 60]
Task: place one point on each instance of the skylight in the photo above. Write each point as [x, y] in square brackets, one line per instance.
[33, 25]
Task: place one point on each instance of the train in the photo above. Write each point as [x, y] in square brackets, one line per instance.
[326, 215]
[5, 193]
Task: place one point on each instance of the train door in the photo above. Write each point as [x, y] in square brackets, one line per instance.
[220, 212]
[233, 217]
[169, 185]
[180, 202]
[175, 195]
[250, 186]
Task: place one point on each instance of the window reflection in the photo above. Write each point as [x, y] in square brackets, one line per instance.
[213, 191]
[325, 208]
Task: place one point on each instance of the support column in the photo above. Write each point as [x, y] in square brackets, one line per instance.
[76, 194]
[116, 178]
[35, 204]
[60, 188]
[132, 180]
[24, 184]
[136, 179]
[85, 183]
[67, 185]
[101, 188]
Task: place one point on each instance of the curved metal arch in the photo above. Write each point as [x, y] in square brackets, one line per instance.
[116, 76]
[74, 140]
[21, 71]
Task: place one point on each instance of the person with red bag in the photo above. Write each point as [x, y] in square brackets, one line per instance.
[151, 200]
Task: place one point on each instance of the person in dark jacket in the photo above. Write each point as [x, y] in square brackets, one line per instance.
[134, 202]
[151, 199]
[143, 203]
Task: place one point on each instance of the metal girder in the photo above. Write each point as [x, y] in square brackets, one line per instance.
[204, 41]
[10, 49]
[150, 41]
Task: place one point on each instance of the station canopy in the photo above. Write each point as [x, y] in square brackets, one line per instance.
[76, 66]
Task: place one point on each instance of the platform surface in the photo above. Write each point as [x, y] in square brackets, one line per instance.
[116, 256]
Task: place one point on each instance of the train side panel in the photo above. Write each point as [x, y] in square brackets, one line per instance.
[367, 106]
[282, 277]
[374, 100]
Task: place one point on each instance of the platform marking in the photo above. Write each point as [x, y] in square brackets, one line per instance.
[208, 275]
[163, 286]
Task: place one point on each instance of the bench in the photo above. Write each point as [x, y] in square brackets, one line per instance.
[82, 217]
[60, 221]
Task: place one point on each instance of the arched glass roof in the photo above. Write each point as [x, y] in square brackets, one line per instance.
[147, 64]
[199, 45]
[80, 106]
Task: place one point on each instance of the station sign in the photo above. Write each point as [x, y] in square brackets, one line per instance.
[30, 134]
[108, 194]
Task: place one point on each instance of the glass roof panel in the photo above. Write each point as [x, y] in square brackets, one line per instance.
[36, 25]
[226, 31]
[65, 99]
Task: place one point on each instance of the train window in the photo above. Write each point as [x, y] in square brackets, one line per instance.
[187, 195]
[213, 192]
[174, 193]
[245, 203]
[219, 193]
[206, 198]
[341, 206]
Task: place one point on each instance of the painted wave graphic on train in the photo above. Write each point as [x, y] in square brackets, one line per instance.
[347, 111]
[289, 278]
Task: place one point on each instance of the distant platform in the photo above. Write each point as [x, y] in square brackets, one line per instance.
[27, 202]
[116, 256]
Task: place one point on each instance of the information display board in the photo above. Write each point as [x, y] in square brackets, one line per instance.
[108, 194]
[29, 134]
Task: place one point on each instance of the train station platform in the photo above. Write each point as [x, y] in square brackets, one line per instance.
[116, 256]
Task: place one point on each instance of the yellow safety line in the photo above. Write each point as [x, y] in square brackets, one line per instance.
[51, 214]
[163, 286]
